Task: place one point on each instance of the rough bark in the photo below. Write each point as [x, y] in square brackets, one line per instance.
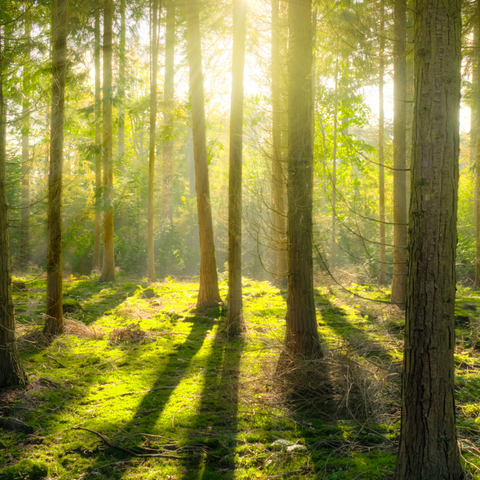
[151, 156]
[25, 227]
[98, 147]
[167, 187]
[108, 271]
[399, 155]
[235, 324]
[208, 294]
[428, 442]
[302, 335]
[54, 315]
[121, 85]
[381, 157]
[11, 370]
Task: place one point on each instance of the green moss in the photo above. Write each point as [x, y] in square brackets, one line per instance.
[26, 469]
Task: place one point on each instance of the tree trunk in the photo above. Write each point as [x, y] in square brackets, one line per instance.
[108, 271]
[167, 187]
[54, 316]
[399, 155]
[476, 85]
[121, 86]
[381, 158]
[208, 295]
[25, 230]
[302, 334]
[153, 124]
[98, 147]
[428, 442]
[11, 370]
[334, 170]
[235, 324]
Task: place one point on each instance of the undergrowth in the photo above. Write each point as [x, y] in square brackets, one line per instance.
[156, 391]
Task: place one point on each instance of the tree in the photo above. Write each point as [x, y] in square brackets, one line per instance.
[167, 187]
[208, 294]
[400, 218]
[381, 157]
[11, 370]
[428, 442]
[302, 334]
[235, 323]
[54, 316]
[108, 271]
[476, 144]
[121, 84]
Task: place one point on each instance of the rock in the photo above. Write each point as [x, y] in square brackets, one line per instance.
[15, 425]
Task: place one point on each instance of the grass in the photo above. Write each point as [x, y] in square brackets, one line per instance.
[209, 406]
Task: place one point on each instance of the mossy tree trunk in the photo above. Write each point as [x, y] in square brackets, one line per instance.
[235, 324]
[11, 370]
[428, 441]
[108, 271]
[54, 316]
[302, 334]
[208, 295]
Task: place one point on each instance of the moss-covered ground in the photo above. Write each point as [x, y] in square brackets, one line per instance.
[207, 408]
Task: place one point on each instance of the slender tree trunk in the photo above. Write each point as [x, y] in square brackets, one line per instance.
[381, 158]
[167, 206]
[209, 294]
[108, 271]
[98, 147]
[399, 155]
[25, 230]
[334, 171]
[302, 333]
[11, 370]
[54, 317]
[477, 149]
[235, 324]
[121, 85]
[428, 441]
[153, 124]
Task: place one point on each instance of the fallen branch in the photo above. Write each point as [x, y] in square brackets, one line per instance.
[55, 360]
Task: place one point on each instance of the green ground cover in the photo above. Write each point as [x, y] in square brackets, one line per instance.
[152, 376]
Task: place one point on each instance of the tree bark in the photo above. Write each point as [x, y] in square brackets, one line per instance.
[167, 187]
[11, 370]
[151, 157]
[121, 85]
[25, 230]
[208, 295]
[302, 333]
[334, 170]
[381, 157]
[108, 271]
[399, 155]
[98, 147]
[54, 316]
[477, 149]
[428, 442]
[235, 324]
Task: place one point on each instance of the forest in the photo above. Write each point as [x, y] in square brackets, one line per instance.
[240, 239]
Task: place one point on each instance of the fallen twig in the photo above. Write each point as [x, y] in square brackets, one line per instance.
[55, 360]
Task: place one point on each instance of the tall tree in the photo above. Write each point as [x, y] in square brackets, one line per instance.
[334, 169]
[25, 230]
[108, 271]
[476, 146]
[54, 316]
[428, 442]
[121, 84]
[208, 294]
[235, 323]
[98, 147]
[153, 125]
[302, 334]
[399, 153]
[167, 187]
[11, 370]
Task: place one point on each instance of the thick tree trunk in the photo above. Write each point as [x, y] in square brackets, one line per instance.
[98, 147]
[381, 157]
[25, 230]
[11, 370]
[235, 324]
[167, 187]
[428, 442]
[151, 156]
[54, 316]
[108, 271]
[121, 85]
[209, 294]
[302, 333]
[399, 155]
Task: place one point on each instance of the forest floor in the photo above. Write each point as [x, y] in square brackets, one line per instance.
[152, 389]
